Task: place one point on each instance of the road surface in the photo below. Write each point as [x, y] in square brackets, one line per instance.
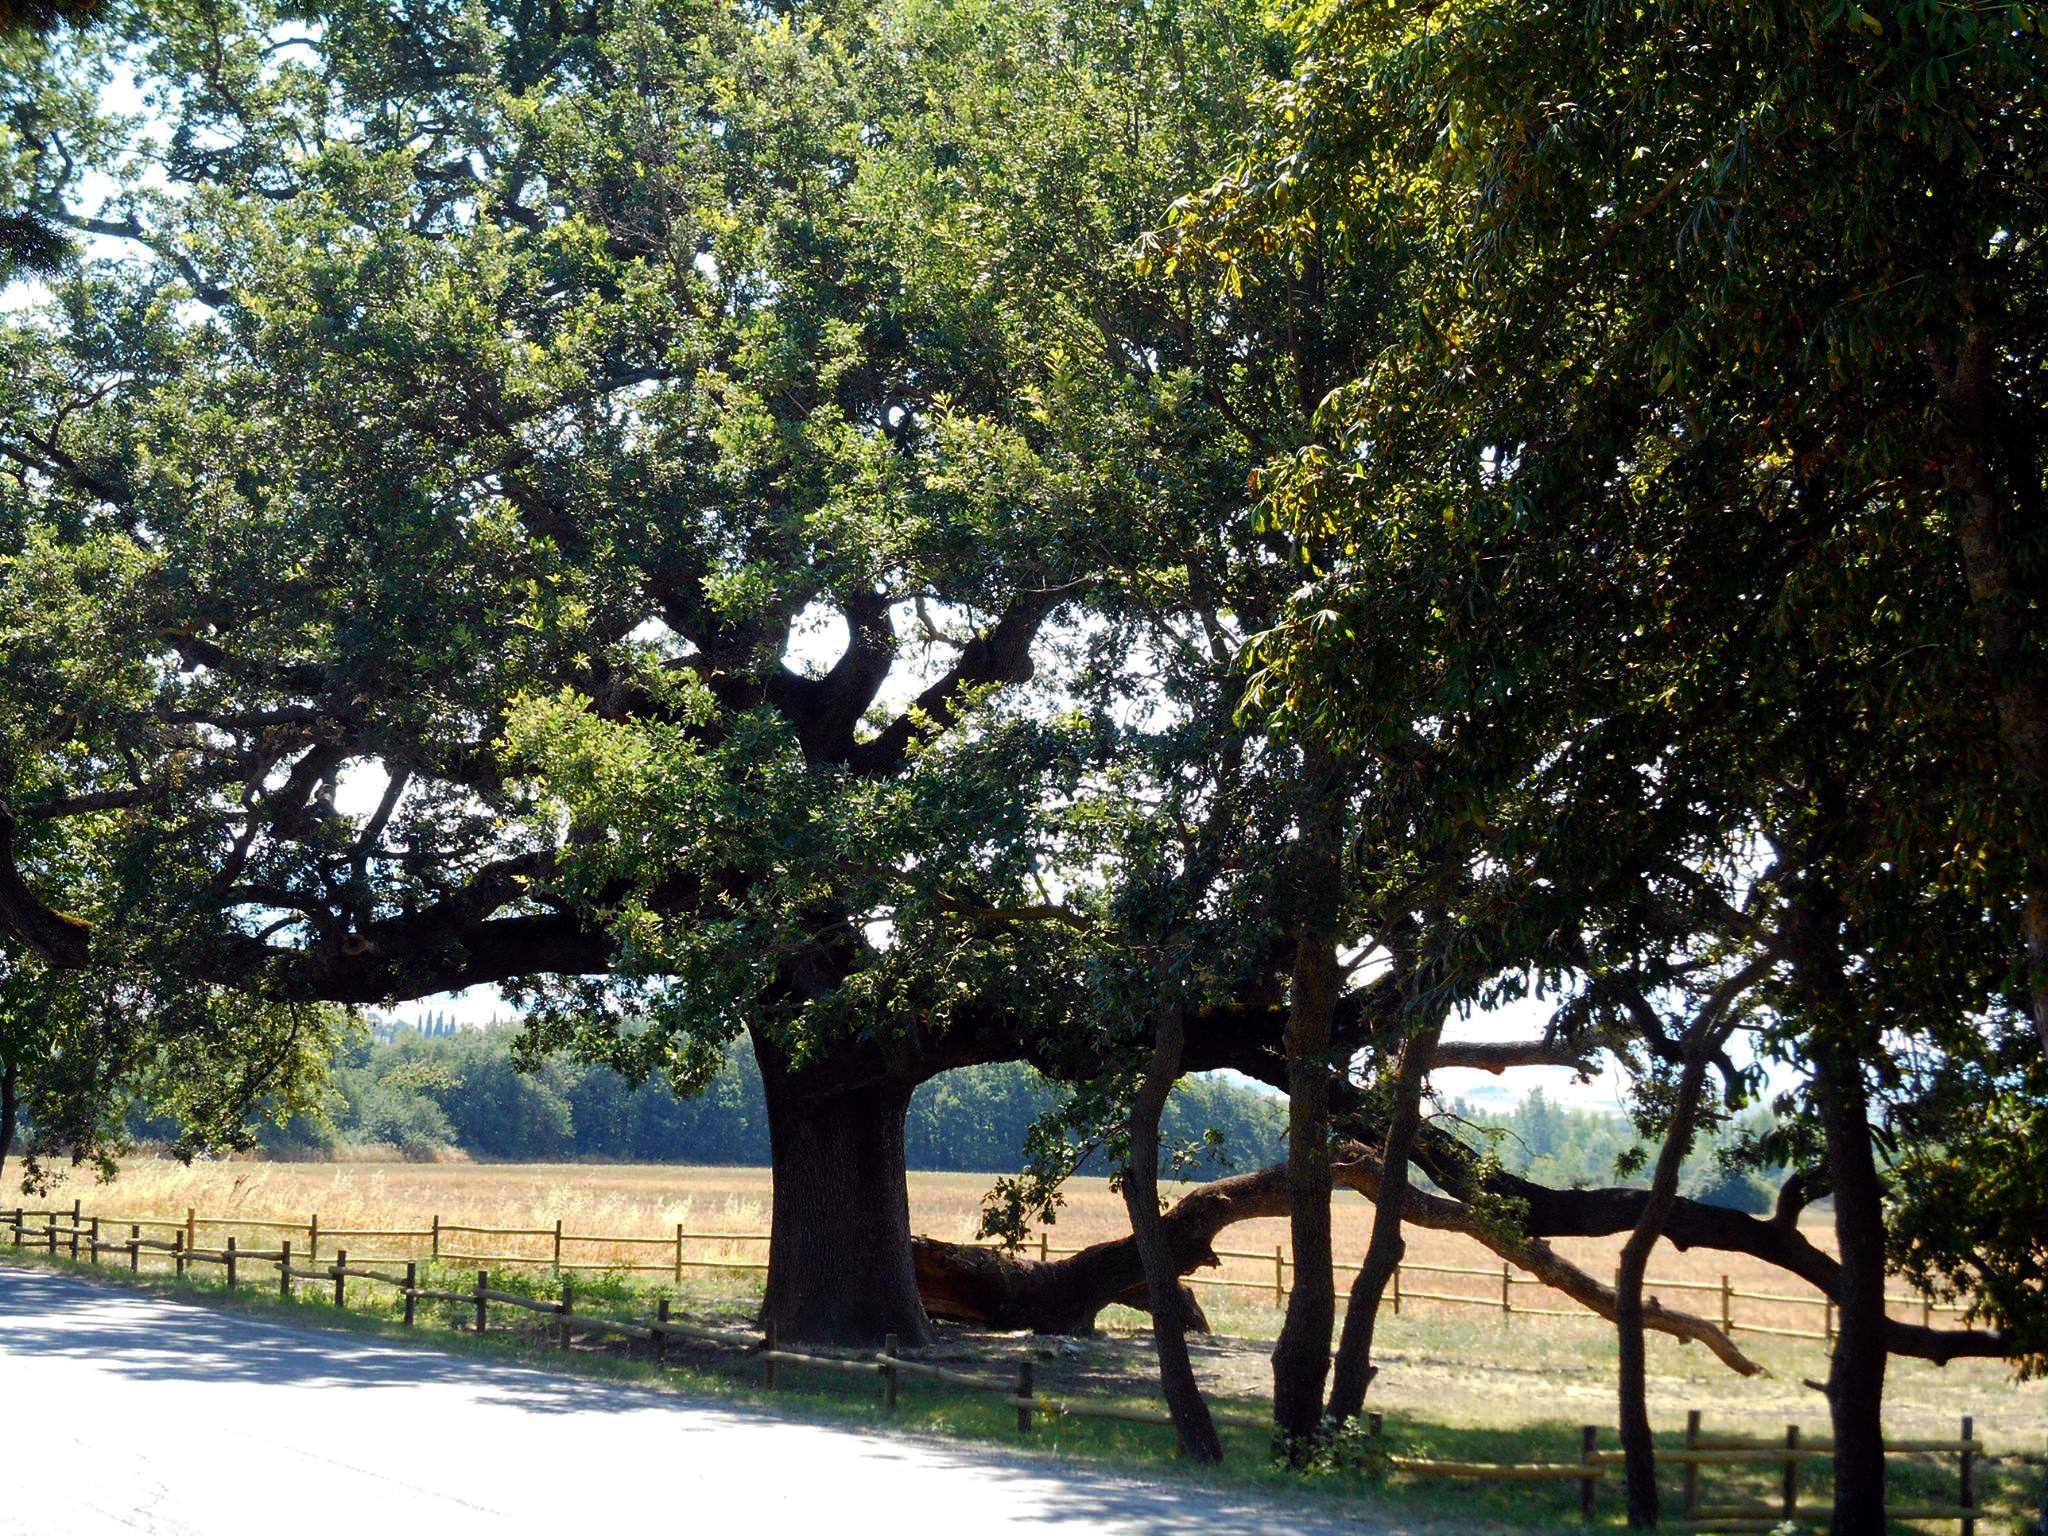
[122, 1411]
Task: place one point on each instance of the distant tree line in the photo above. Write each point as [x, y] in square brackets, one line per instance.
[425, 1093]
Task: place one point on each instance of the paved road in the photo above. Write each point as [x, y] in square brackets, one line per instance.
[123, 1412]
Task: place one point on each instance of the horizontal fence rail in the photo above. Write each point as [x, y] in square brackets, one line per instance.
[564, 1252]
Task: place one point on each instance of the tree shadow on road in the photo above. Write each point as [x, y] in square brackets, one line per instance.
[156, 1339]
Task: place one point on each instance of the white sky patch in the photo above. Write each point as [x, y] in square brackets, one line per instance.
[472, 1008]
[1524, 1020]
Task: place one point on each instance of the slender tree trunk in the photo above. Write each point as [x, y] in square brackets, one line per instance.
[1301, 1360]
[839, 1261]
[1640, 1468]
[1842, 1041]
[1856, 1375]
[2006, 605]
[1353, 1373]
[10, 1103]
[1194, 1429]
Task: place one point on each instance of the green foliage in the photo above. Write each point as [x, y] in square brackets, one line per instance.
[1704, 468]
[88, 1048]
[1970, 1210]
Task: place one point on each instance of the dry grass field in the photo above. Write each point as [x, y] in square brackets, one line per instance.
[1448, 1363]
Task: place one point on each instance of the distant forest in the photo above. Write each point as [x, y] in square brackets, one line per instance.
[423, 1094]
[425, 1091]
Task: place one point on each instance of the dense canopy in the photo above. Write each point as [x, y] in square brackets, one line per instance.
[1132, 539]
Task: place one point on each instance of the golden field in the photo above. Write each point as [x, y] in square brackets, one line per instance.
[644, 1201]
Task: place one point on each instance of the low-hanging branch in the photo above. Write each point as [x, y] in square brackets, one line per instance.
[1064, 1295]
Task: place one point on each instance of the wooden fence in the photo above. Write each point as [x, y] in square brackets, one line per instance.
[1701, 1453]
[1594, 1465]
[561, 1251]
[80, 1237]
[1502, 1283]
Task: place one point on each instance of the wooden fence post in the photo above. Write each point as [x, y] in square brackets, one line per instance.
[889, 1374]
[1024, 1397]
[191, 1229]
[1827, 1325]
[1279, 1277]
[435, 1251]
[1791, 1501]
[284, 1268]
[679, 1254]
[1507, 1278]
[1690, 1478]
[567, 1305]
[1397, 1290]
[661, 1333]
[50, 1224]
[93, 1243]
[412, 1293]
[1044, 1245]
[178, 1253]
[341, 1277]
[768, 1355]
[557, 1268]
[1969, 1477]
[17, 1226]
[483, 1283]
[1589, 1442]
[135, 1250]
[1727, 1307]
[231, 1261]
[313, 1242]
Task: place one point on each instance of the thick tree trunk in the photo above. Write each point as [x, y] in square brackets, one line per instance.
[1301, 1360]
[1856, 1375]
[839, 1263]
[1640, 1466]
[1354, 1371]
[1193, 1428]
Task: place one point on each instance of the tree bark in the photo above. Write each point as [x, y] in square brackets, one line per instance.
[1840, 1041]
[1193, 1428]
[1856, 1374]
[972, 1284]
[2006, 606]
[839, 1262]
[1637, 1446]
[10, 1104]
[1301, 1360]
[1353, 1373]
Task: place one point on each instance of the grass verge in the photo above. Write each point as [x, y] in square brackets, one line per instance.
[1359, 1487]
